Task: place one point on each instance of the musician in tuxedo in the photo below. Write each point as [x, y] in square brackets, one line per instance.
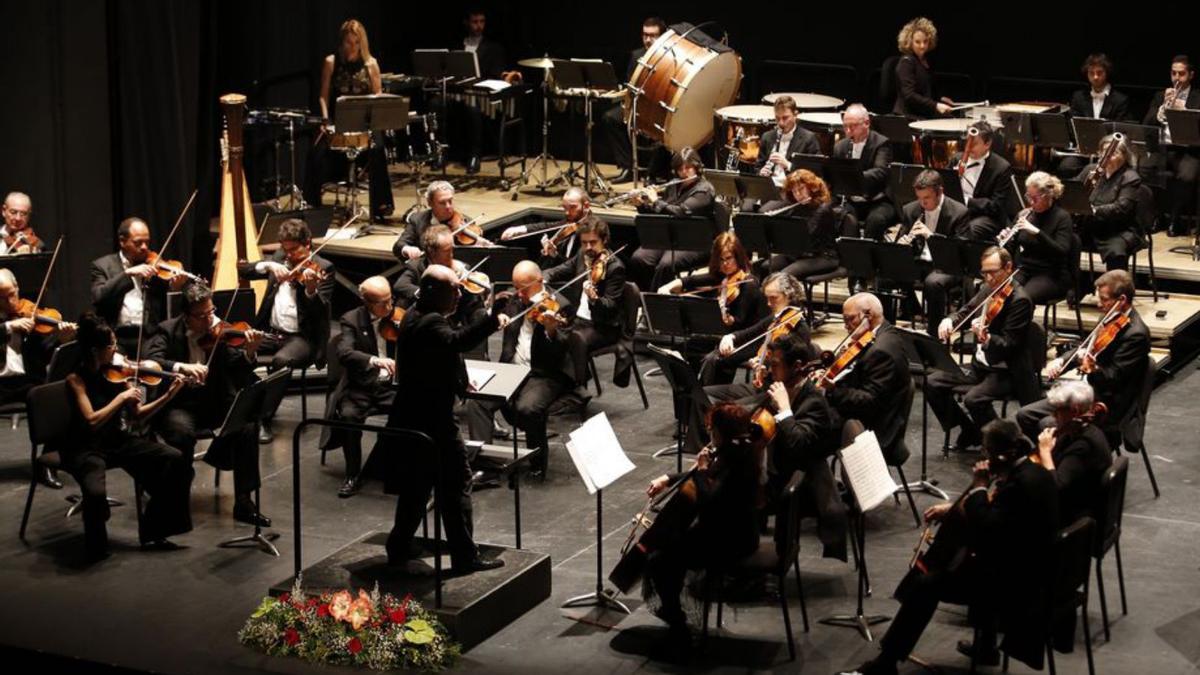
[1045, 239]
[577, 208]
[986, 183]
[781, 291]
[1003, 362]
[1073, 447]
[1099, 100]
[438, 245]
[17, 209]
[913, 76]
[782, 144]
[1117, 374]
[126, 289]
[542, 343]
[368, 368]
[612, 122]
[1008, 531]
[874, 153]
[598, 305]
[694, 196]
[1182, 164]
[296, 306]
[430, 376]
[216, 372]
[1112, 228]
[950, 219]
[439, 197]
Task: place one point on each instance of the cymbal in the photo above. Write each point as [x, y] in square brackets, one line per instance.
[542, 62]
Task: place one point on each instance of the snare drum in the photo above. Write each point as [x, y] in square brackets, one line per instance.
[353, 141]
[936, 141]
[806, 100]
[678, 84]
[751, 121]
[827, 126]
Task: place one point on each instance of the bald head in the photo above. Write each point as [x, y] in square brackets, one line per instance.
[527, 278]
[859, 306]
[17, 207]
[575, 204]
[376, 293]
[856, 122]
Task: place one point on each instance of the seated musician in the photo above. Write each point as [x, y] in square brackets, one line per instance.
[1074, 449]
[108, 431]
[950, 219]
[558, 245]
[368, 366]
[1117, 372]
[296, 306]
[1097, 101]
[874, 153]
[598, 299]
[728, 279]
[811, 204]
[438, 245]
[1002, 365]
[216, 371]
[914, 78]
[538, 340]
[127, 291]
[17, 236]
[727, 479]
[1112, 228]
[439, 196]
[1182, 164]
[349, 71]
[781, 145]
[1007, 532]
[612, 122]
[986, 180]
[782, 292]
[693, 196]
[1044, 236]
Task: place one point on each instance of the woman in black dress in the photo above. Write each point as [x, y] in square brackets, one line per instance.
[1045, 240]
[729, 280]
[914, 78]
[811, 206]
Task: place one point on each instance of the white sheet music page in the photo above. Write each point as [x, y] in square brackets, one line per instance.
[867, 472]
[598, 454]
[478, 377]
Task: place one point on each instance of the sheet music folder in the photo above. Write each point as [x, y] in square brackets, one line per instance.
[597, 454]
[866, 472]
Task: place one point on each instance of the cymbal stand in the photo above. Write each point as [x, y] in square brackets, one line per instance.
[353, 208]
[591, 174]
[295, 196]
[544, 158]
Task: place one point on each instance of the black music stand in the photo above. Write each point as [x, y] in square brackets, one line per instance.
[933, 355]
[1050, 130]
[843, 175]
[772, 235]
[734, 185]
[500, 260]
[675, 233]
[685, 388]
[1088, 132]
[375, 112]
[506, 380]
[901, 176]
[683, 315]
[243, 304]
[591, 76]
[28, 268]
[1076, 198]
[1184, 126]
[440, 66]
[246, 411]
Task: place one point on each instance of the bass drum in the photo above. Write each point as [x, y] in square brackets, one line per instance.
[680, 83]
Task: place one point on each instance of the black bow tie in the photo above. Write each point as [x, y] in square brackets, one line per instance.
[972, 165]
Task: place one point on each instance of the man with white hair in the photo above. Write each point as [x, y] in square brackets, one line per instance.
[1074, 449]
[439, 196]
[17, 209]
[874, 154]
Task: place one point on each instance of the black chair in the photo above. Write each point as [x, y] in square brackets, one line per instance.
[1050, 311]
[1037, 343]
[1108, 534]
[768, 559]
[1132, 429]
[1069, 593]
[898, 453]
[63, 361]
[334, 372]
[1146, 213]
[631, 301]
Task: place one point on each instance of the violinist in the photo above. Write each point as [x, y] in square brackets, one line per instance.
[785, 298]
[17, 236]
[1112, 227]
[438, 246]
[728, 280]
[598, 300]
[813, 210]
[1008, 532]
[368, 359]
[215, 372]
[694, 196]
[986, 180]
[1043, 233]
[127, 291]
[540, 340]
[1117, 371]
[296, 306]
[439, 197]
[560, 244]
[1003, 361]
[1074, 449]
[109, 426]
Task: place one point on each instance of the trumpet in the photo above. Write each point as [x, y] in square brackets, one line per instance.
[626, 196]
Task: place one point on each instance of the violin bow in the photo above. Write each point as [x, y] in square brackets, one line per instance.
[765, 333]
[971, 314]
[328, 238]
[46, 278]
[574, 280]
[179, 220]
[544, 231]
[225, 319]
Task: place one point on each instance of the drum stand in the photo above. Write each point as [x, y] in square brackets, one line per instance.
[544, 158]
[591, 174]
[631, 127]
[353, 208]
[295, 196]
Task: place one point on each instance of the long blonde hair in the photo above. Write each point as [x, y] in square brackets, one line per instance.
[364, 46]
[905, 39]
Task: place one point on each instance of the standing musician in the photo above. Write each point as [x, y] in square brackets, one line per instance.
[1182, 164]
[785, 298]
[191, 346]
[598, 300]
[349, 71]
[559, 245]
[108, 427]
[127, 291]
[1111, 228]
[813, 206]
[296, 306]
[1003, 361]
[17, 236]
[999, 543]
[727, 478]
[1074, 449]
[728, 279]
[694, 196]
[612, 122]
[914, 79]
[430, 375]
[1116, 371]
[874, 153]
[950, 219]
[1044, 235]
[438, 246]
[439, 196]
[1099, 100]
[366, 350]
[986, 180]
[784, 142]
[540, 340]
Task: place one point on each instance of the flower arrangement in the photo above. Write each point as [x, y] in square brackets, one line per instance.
[374, 630]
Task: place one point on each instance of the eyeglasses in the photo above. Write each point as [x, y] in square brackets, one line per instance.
[18, 212]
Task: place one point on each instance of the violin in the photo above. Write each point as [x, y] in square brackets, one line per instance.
[389, 329]
[994, 304]
[306, 264]
[149, 373]
[467, 234]
[546, 312]
[45, 320]
[598, 268]
[472, 280]
[1106, 331]
[787, 321]
[564, 233]
[169, 269]
[843, 358]
[25, 237]
[233, 334]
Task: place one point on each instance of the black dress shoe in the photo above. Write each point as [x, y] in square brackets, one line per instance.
[265, 433]
[478, 565]
[351, 487]
[626, 176]
[246, 514]
[160, 545]
[983, 657]
[49, 477]
[473, 165]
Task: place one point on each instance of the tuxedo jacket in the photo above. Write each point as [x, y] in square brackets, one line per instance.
[110, 284]
[993, 196]
[804, 142]
[1008, 340]
[606, 310]
[874, 161]
[1115, 107]
[549, 356]
[952, 219]
[313, 313]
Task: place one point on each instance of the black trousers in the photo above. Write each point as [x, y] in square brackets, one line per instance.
[937, 296]
[326, 164]
[1034, 417]
[449, 471]
[803, 267]
[964, 586]
[650, 268]
[294, 352]
[1045, 287]
[528, 410]
[980, 388]
[239, 452]
[1183, 167]
[16, 389]
[161, 471]
[464, 126]
[616, 136]
[874, 217]
[1114, 249]
[716, 369]
[585, 338]
[356, 406]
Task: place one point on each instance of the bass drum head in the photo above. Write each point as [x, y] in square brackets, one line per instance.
[713, 83]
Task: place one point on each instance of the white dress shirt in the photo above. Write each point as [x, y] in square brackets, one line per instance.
[14, 364]
[779, 173]
[970, 177]
[856, 149]
[471, 44]
[1098, 99]
[133, 303]
[285, 313]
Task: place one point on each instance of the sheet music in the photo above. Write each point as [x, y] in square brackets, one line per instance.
[479, 377]
[598, 454]
[493, 85]
[867, 472]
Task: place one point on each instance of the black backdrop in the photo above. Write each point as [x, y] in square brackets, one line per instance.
[110, 105]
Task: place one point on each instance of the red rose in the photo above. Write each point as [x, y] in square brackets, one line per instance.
[283, 599]
[398, 616]
[354, 646]
[291, 636]
[407, 598]
[312, 602]
[323, 610]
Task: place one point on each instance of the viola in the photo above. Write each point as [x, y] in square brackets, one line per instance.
[307, 263]
[841, 360]
[389, 329]
[472, 280]
[996, 303]
[45, 319]
[149, 373]
[169, 269]
[566, 232]
[26, 237]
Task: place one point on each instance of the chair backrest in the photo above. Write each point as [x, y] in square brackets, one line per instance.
[50, 412]
[1073, 258]
[791, 500]
[333, 365]
[846, 222]
[631, 301]
[1037, 344]
[1144, 214]
[721, 215]
[887, 83]
[1072, 560]
[1111, 506]
[63, 361]
[897, 453]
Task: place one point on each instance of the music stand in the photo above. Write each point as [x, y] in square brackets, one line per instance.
[683, 315]
[736, 186]
[506, 380]
[371, 113]
[843, 175]
[675, 233]
[318, 219]
[500, 260]
[1050, 130]
[933, 355]
[246, 411]
[441, 66]
[28, 268]
[243, 304]
[1184, 126]
[592, 76]
[685, 389]
[901, 176]
[1088, 131]
[768, 235]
